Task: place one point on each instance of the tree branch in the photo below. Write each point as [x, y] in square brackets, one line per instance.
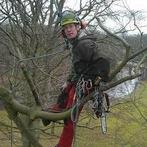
[111, 85]
[30, 83]
[124, 42]
[137, 54]
[15, 105]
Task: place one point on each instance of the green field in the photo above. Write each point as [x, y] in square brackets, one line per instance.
[127, 126]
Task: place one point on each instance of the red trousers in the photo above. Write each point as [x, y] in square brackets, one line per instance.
[67, 135]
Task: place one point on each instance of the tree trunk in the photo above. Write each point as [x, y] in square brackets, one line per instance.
[33, 128]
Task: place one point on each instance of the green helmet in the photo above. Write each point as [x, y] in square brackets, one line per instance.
[69, 17]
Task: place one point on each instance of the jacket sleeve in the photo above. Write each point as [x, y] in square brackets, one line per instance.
[85, 49]
[84, 52]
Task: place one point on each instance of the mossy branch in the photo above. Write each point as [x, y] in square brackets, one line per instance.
[13, 107]
[5, 96]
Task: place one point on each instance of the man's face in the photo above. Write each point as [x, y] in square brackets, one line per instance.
[71, 30]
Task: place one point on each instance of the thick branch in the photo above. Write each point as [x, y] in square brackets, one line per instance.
[10, 106]
[137, 53]
[15, 105]
[28, 134]
[33, 113]
[111, 85]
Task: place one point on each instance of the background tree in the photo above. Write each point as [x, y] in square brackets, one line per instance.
[32, 54]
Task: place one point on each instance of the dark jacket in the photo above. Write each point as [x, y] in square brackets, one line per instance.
[87, 61]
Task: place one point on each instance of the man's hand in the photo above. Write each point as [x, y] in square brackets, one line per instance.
[64, 85]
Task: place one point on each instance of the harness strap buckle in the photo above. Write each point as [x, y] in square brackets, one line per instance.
[97, 80]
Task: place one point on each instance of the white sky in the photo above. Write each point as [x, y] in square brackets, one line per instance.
[132, 4]
[137, 4]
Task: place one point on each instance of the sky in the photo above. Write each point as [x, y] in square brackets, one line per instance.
[137, 4]
[132, 4]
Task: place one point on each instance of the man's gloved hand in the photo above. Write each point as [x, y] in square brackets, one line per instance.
[64, 94]
[64, 86]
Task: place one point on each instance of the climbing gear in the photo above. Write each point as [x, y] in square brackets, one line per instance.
[100, 109]
[68, 17]
[83, 88]
[97, 80]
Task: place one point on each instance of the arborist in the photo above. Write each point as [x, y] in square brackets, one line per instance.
[87, 65]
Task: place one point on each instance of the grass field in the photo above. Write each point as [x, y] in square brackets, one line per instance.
[127, 126]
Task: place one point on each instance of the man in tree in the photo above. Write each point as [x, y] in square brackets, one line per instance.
[86, 64]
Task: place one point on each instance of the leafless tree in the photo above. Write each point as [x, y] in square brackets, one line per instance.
[31, 37]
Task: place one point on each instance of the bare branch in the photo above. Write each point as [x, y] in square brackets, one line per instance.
[33, 113]
[113, 84]
[137, 54]
[124, 42]
[31, 84]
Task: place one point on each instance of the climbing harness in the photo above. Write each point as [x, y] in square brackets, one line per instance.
[100, 100]
[83, 88]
